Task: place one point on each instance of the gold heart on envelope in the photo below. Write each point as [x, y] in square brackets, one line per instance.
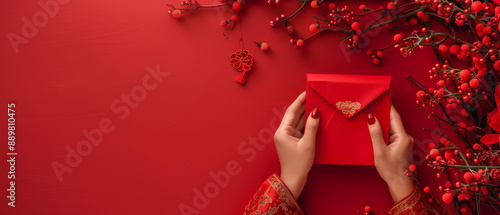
[348, 108]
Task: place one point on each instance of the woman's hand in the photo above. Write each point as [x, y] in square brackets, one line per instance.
[392, 160]
[296, 149]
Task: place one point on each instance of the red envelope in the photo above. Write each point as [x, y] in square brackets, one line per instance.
[343, 102]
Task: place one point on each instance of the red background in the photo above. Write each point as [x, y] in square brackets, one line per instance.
[66, 77]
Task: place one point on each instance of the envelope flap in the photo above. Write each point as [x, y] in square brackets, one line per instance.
[349, 94]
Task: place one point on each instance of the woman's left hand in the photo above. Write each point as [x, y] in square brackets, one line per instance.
[296, 149]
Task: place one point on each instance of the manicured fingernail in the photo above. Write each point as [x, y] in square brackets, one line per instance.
[370, 119]
[315, 113]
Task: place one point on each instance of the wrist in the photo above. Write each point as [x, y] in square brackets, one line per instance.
[294, 183]
[400, 188]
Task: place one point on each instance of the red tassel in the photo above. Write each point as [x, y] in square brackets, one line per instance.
[241, 78]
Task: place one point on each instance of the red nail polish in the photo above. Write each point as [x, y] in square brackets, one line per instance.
[370, 119]
[315, 113]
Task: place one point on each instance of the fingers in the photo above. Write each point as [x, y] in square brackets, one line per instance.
[396, 125]
[311, 129]
[377, 137]
[301, 123]
[294, 111]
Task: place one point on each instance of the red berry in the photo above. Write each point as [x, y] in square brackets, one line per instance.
[447, 184]
[362, 7]
[420, 14]
[368, 209]
[441, 83]
[434, 153]
[313, 28]
[176, 13]
[397, 37]
[355, 26]
[447, 198]
[486, 40]
[476, 6]
[463, 211]
[465, 74]
[487, 30]
[331, 6]
[444, 141]
[412, 167]
[465, 48]
[376, 61]
[478, 176]
[391, 5]
[496, 65]
[431, 146]
[479, 27]
[425, 18]
[454, 49]
[467, 196]
[443, 49]
[223, 23]
[420, 94]
[413, 21]
[427, 189]
[314, 4]
[464, 86]
[380, 54]
[237, 6]
[491, 51]
[468, 176]
[300, 42]
[484, 190]
[448, 155]
[464, 112]
[264, 46]
[474, 83]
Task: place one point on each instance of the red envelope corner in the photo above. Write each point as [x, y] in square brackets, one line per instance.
[344, 102]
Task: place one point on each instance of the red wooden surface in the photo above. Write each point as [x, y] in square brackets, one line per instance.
[165, 144]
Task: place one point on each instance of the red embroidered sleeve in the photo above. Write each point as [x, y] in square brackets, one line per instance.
[273, 197]
[415, 203]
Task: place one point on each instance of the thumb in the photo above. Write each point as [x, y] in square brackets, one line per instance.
[377, 137]
[312, 125]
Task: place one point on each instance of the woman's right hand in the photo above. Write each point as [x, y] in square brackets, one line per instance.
[394, 159]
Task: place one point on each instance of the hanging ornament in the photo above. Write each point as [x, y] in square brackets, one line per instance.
[242, 61]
